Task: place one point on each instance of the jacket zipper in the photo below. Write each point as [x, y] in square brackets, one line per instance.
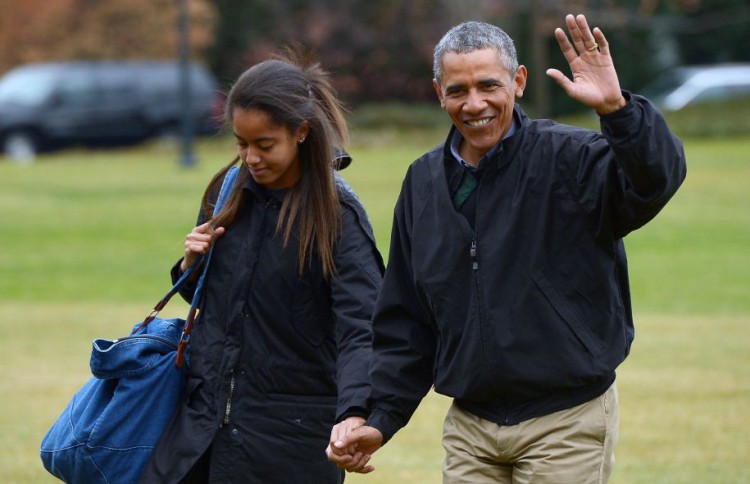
[228, 409]
[475, 269]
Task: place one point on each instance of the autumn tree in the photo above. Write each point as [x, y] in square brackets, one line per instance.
[378, 50]
[40, 30]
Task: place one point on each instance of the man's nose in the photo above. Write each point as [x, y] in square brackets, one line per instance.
[475, 101]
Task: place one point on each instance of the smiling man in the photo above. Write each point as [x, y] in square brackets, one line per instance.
[479, 93]
[507, 285]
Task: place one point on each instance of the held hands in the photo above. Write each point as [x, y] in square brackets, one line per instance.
[594, 81]
[198, 241]
[352, 444]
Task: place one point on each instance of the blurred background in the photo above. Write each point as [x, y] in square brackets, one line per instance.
[104, 103]
[379, 52]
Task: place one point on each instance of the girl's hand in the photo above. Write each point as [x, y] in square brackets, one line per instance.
[198, 242]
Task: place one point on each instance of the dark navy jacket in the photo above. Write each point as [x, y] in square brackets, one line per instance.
[276, 358]
[530, 313]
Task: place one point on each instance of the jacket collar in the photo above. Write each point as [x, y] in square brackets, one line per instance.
[263, 194]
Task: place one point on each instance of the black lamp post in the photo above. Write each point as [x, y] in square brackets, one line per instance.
[187, 157]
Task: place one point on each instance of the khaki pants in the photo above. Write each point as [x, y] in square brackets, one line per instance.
[574, 446]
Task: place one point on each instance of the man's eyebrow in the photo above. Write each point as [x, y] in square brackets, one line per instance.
[453, 87]
[491, 80]
[482, 82]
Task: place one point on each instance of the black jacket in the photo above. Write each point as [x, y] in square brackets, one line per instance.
[530, 313]
[275, 358]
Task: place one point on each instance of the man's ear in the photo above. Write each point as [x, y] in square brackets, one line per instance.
[439, 92]
[520, 80]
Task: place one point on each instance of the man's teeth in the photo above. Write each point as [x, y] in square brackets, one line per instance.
[479, 122]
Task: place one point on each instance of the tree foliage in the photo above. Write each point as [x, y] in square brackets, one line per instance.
[378, 50]
[41, 30]
[713, 31]
[382, 50]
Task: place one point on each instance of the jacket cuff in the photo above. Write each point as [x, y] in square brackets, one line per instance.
[620, 122]
[176, 272]
[385, 423]
[353, 412]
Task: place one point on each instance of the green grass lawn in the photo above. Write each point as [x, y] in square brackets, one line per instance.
[87, 239]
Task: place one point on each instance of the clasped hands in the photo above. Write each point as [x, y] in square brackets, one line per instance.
[352, 445]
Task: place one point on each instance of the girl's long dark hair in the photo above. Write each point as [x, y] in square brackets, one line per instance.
[292, 89]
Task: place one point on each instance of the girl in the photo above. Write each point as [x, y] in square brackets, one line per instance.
[280, 351]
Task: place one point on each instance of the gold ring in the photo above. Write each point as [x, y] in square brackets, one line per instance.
[593, 47]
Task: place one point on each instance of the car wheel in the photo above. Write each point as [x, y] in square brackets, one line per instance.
[21, 146]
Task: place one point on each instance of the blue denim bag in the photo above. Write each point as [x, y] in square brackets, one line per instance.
[108, 430]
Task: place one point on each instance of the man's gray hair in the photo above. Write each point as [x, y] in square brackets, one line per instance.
[470, 36]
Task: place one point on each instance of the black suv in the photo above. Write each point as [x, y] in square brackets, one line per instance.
[49, 105]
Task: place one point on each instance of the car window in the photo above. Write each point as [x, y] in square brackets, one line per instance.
[27, 87]
[740, 90]
[665, 84]
[117, 84]
[711, 94]
[716, 93]
[77, 89]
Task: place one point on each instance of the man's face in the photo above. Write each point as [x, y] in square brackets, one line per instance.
[479, 94]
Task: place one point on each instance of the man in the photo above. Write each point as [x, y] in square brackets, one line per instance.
[507, 283]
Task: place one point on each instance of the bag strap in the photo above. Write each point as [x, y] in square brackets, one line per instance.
[226, 189]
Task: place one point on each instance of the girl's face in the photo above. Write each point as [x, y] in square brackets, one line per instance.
[270, 151]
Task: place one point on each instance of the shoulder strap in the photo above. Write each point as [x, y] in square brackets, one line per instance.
[226, 189]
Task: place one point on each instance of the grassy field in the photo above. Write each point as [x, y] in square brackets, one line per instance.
[87, 239]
